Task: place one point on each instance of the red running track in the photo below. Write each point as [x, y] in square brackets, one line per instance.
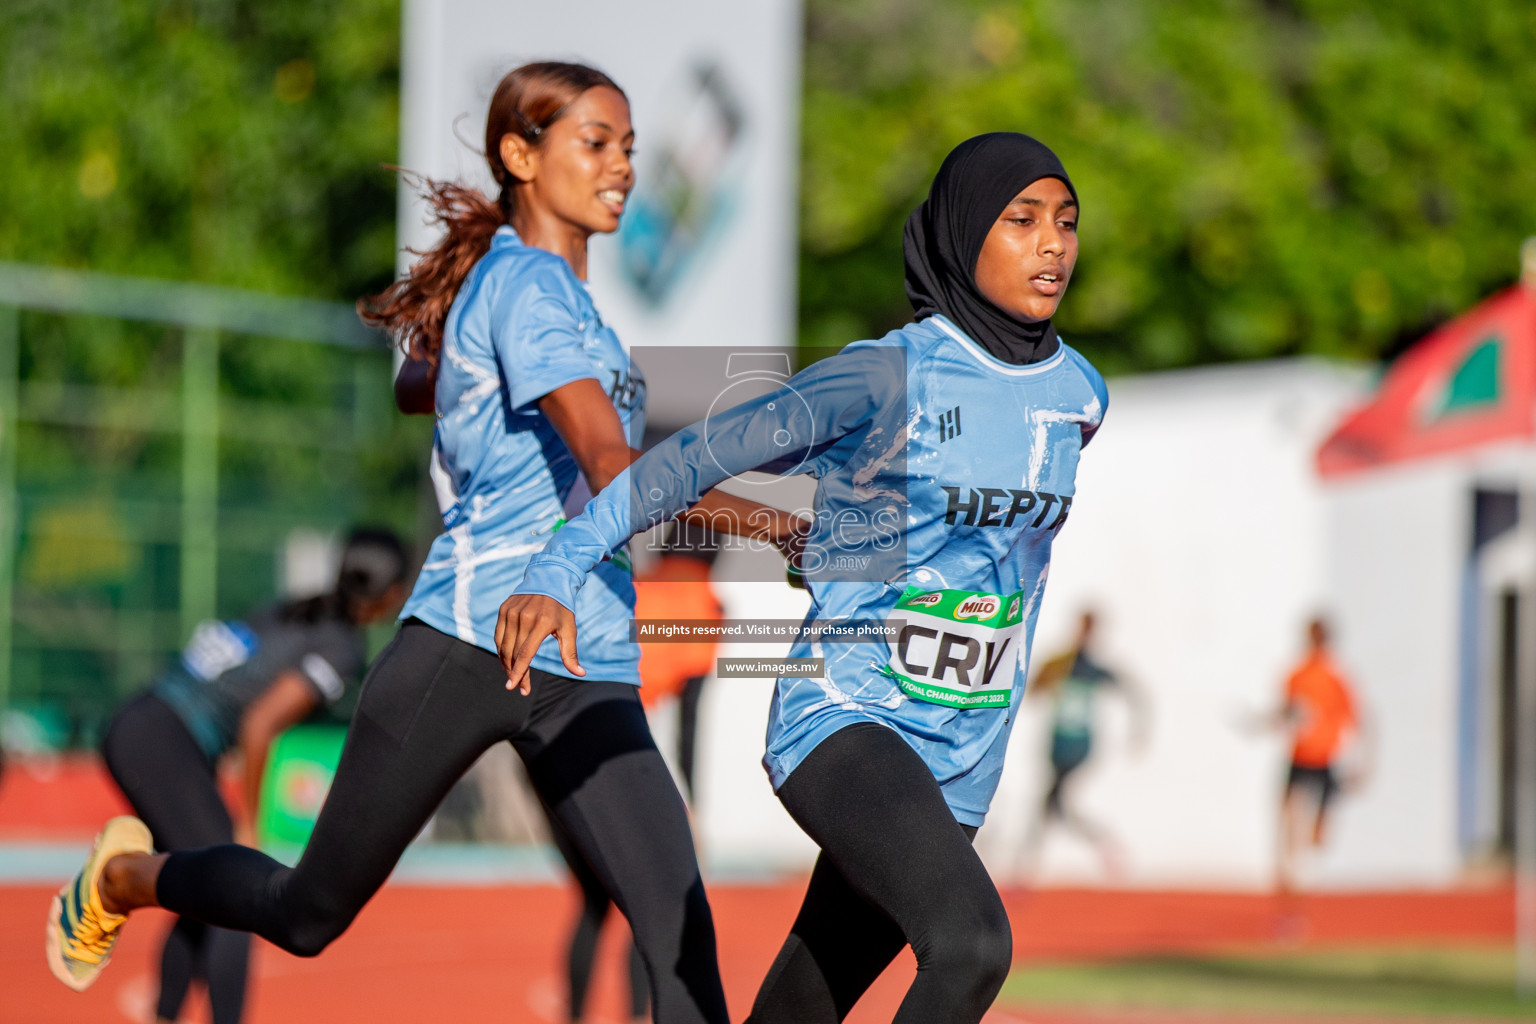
[432, 954]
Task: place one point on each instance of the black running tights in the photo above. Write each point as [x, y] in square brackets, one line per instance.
[582, 952]
[172, 786]
[430, 706]
[895, 868]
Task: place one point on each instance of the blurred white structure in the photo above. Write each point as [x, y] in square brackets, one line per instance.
[1200, 535]
[1205, 538]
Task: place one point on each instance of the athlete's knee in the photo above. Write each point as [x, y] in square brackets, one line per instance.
[312, 921]
[310, 935]
[975, 948]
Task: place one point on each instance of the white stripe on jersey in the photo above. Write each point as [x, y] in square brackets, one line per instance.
[465, 562]
[463, 577]
[326, 678]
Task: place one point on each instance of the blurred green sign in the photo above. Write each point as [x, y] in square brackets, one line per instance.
[300, 767]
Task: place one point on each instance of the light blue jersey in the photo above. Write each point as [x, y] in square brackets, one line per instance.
[521, 326]
[943, 477]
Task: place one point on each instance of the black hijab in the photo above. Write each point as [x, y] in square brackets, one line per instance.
[944, 237]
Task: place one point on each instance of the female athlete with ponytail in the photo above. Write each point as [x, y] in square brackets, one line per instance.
[532, 390]
[945, 455]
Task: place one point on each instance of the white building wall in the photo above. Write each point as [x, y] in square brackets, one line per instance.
[1204, 538]
[1397, 547]
[1197, 534]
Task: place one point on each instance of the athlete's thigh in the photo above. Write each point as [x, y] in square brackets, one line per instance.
[594, 893]
[590, 755]
[166, 777]
[430, 706]
[879, 816]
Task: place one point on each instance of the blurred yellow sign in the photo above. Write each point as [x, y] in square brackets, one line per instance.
[80, 543]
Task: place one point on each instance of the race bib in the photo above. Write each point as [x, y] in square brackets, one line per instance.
[1073, 712]
[956, 647]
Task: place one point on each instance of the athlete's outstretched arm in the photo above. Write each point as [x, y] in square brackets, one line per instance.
[812, 410]
[586, 421]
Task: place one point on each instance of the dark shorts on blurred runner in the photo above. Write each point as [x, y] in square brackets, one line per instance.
[1320, 779]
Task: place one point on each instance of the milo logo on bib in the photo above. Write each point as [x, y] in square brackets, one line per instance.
[983, 606]
[956, 647]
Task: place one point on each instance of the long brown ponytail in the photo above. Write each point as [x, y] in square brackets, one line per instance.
[527, 101]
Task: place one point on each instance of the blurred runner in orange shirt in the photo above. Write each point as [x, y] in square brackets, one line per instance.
[1321, 714]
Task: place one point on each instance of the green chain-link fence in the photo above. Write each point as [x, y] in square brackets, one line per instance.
[164, 450]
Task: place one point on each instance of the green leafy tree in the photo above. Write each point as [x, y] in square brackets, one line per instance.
[218, 141]
[228, 141]
[1259, 177]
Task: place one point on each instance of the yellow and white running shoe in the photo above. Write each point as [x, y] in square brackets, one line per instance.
[80, 933]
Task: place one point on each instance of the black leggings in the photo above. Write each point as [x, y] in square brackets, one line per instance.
[582, 952]
[430, 706]
[688, 732]
[173, 786]
[895, 868]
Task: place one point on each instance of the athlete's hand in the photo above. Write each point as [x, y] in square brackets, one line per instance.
[791, 544]
[524, 622]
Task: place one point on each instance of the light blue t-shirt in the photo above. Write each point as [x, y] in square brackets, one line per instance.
[521, 326]
[943, 478]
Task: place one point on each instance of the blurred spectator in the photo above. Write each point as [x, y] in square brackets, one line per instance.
[1323, 719]
[236, 686]
[1072, 681]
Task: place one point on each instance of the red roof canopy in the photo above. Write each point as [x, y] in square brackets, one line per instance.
[1469, 383]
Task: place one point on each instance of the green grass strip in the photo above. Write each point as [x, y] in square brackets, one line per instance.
[1455, 982]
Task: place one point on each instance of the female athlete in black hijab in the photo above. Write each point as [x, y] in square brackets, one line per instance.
[991, 249]
[946, 235]
[889, 756]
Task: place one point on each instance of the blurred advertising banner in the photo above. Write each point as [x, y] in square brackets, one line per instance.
[706, 253]
[300, 767]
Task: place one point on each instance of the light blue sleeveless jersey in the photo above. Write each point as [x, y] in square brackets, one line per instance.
[943, 477]
[521, 326]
